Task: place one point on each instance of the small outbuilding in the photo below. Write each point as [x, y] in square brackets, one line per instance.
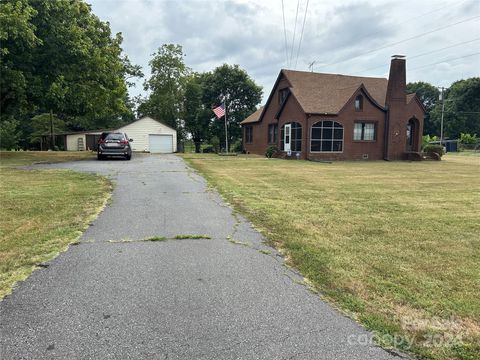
[81, 141]
[149, 135]
[152, 136]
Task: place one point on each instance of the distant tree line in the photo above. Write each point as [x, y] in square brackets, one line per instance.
[461, 111]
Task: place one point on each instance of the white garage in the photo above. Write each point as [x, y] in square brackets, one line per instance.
[151, 136]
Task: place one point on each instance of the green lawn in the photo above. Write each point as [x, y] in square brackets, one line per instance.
[395, 245]
[42, 211]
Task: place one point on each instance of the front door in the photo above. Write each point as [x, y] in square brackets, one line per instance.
[287, 137]
[411, 134]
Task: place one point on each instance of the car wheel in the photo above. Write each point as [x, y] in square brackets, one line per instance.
[100, 157]
[128, 157]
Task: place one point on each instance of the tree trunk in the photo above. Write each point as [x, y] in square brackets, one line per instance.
[197, 146]
[52, 136]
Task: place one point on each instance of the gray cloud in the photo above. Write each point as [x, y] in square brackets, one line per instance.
[250, 33]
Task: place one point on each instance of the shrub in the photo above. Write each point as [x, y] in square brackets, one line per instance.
[434, 148]
[271, 150]
[237, 146]
[427, 139]
[208, 149]
[9, 134]
[215, 141]
[469, 138]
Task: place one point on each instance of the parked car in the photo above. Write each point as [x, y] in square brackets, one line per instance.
[114, 144]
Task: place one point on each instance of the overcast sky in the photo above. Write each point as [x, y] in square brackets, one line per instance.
[441, 39]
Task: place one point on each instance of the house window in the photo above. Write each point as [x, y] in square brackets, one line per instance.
[282, 95]
[248, 134]
[364, 131]
[296, 137]
[327, 136]
[272, 133]
[359, 103]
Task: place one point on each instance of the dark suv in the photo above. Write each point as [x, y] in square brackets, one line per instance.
[114, 144]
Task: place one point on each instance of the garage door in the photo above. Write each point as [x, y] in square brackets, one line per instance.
[161, 144]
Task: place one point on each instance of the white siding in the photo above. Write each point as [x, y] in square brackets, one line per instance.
[72, 142]
[140, 129]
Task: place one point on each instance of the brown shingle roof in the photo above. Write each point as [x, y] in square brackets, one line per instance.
[254, 117]
[328, 93]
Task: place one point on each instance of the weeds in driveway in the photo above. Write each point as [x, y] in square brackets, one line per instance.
[237, 242]
[163, 238]
[393, 244]
[42, 211]
[187, 236]
[156, 238]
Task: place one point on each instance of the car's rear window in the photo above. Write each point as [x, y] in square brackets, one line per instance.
[114, 136]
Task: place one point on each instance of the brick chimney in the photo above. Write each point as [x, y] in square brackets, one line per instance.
[396, 99]
[397, 80]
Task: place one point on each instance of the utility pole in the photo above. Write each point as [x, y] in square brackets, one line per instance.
[442, 98]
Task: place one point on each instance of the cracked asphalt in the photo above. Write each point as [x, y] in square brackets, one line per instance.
[175, 299]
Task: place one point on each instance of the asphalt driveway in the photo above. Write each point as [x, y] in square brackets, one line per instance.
[114, 296]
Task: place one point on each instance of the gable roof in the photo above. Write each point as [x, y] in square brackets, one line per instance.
[319, 93]
[413, 96]
[254, 117]
[143, 118]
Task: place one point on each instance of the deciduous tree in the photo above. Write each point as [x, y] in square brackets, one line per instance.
[58, 56]
[197, 116]
[242, 96]
[166, 86]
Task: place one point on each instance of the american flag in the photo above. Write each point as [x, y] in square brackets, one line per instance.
[219, 111]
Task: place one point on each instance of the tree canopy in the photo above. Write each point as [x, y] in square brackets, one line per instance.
[166, 85]
[462, 107]
[197, 117]
[184, 100]
[241, 93]
[58, 56]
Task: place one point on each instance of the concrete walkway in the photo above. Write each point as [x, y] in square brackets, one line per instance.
[175, 299]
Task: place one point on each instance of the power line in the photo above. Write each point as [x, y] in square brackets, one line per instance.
[285, 33]
[294, 32]
[301, 35]
[418, 17]
[423, 54]
[451, 59]
[404, 40]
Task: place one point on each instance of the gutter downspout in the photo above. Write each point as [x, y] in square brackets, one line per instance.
[386, 135]
[307, 142]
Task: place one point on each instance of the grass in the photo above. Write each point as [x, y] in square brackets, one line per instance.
[42, 211]
[395, 245]
[191, 236]
[156, 238]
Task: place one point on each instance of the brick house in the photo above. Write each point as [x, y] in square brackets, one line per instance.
[336, 117]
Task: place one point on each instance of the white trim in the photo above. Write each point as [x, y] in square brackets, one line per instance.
[289, 126]
[148, 117]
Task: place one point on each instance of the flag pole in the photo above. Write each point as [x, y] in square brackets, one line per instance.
[226, 133]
